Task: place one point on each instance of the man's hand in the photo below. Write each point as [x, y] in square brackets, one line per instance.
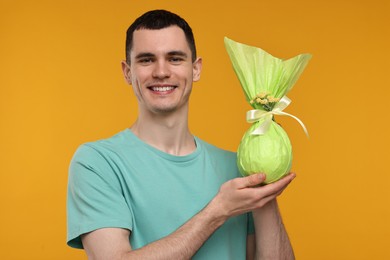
[241, 195]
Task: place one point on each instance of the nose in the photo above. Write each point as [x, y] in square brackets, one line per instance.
[161, 70]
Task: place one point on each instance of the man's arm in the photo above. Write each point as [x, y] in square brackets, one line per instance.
[235, 197]
[250, 247]
[271, 240]
[113, 243]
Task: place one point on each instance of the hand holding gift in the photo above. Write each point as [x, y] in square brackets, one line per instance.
[265, 147]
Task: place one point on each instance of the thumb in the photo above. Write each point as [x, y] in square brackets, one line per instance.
[253, 180]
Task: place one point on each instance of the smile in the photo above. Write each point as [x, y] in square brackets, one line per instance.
[162, 88]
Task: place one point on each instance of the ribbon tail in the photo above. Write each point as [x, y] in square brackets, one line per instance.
[296, 118]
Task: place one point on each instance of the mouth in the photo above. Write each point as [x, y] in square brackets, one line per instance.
[162, 89]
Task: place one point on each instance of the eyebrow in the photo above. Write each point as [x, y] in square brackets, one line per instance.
[171, 53]
[144, 55]
[178, 53]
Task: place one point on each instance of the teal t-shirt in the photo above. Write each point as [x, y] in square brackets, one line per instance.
[123, 182]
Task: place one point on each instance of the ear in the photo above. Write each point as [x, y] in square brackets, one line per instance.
[196, 69]
[126, 71]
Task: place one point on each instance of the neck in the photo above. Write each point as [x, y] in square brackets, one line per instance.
[168, 133]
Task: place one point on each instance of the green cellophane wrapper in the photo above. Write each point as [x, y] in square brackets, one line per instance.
[260, 72]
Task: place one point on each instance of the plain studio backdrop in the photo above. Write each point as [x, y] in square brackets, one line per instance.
[61, 85]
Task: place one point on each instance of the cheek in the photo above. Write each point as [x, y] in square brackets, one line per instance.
[139, 76]
[138, 81]
[137, 92]
[186, 75]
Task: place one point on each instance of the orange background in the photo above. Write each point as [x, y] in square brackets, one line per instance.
[61, 85]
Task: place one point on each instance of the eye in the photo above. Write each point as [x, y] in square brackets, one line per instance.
[176, 59]
[145, 60]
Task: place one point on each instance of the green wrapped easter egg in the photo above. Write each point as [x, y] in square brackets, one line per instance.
[265, 80]
[270, 153]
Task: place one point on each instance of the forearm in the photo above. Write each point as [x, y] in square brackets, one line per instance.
[235, 197]
[272, 241]
[185, 241]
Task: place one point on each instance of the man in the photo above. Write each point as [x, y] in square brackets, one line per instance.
[154, 191]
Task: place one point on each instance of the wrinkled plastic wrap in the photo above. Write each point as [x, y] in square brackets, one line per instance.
[265, 80]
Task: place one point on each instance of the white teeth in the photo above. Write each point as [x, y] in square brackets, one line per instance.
[162, 89]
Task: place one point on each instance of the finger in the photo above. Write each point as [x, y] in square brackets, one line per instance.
[286, 179]
[270, 197]
[292, 177]
[281, 191]
[276, 187]
[251, 180]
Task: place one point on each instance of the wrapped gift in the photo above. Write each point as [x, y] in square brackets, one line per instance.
[265, 80]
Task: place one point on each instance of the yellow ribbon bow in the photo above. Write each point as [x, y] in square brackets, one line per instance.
[257, 114]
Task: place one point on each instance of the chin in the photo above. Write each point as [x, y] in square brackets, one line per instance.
[163, 110]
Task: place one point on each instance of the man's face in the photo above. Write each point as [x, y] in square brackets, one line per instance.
[161, 69]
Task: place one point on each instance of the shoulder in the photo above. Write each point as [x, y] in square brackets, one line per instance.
[102, 148]
[99, 156]
[98, 163]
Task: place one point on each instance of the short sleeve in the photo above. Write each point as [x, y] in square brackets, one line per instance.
[95, 199]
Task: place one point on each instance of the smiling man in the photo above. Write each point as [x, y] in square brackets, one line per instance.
[161, 70]
[154, 190]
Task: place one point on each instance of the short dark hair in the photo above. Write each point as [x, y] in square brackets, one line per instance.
[159, 19]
